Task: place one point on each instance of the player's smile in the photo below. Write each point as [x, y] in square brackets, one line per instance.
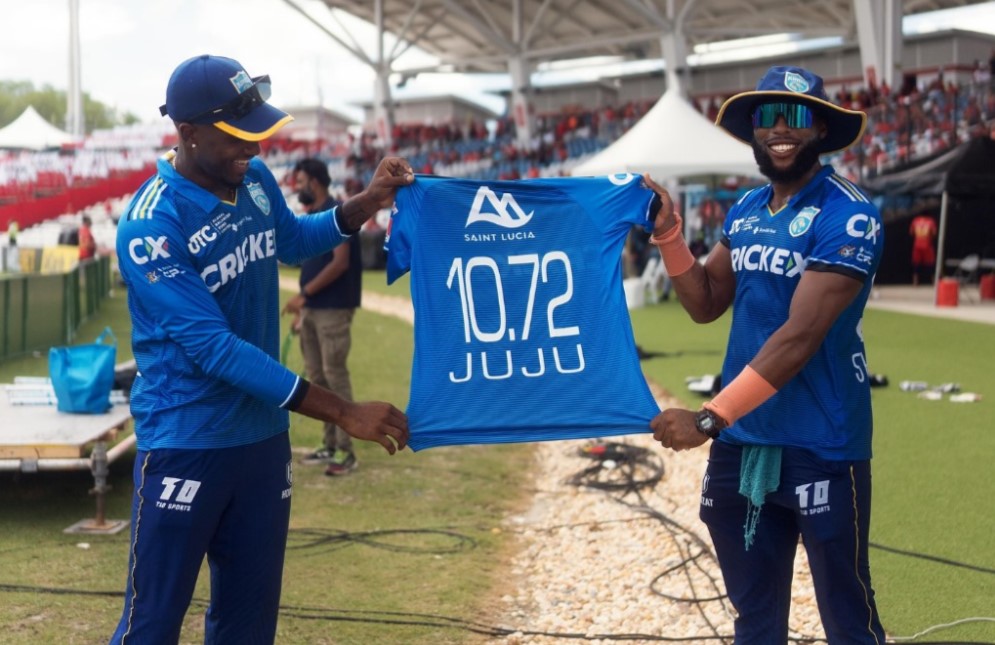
[785, 154]
[241, 167]
[782, 152]
[782, 149]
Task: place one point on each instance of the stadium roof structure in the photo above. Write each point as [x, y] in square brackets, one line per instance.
[514, 36]
[481, 35]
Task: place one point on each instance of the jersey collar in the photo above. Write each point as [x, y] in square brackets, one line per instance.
[204, 199]
[816, 180]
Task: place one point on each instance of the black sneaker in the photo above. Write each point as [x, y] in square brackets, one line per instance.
[319, 456]
[341, 463]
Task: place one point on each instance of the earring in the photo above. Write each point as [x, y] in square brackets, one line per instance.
[193, 145]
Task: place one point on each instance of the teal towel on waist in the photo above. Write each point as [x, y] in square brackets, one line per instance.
[759, 474]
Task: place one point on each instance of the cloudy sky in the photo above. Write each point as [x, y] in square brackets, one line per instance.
[130, 47]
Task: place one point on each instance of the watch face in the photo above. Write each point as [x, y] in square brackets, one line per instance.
[706, 424]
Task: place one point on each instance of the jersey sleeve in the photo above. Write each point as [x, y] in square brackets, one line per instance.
[401, 228]
[848, 240]
[624, 194]
[164, 283]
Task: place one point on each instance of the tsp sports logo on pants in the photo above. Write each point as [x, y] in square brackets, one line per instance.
[177, 494]
[813, 498]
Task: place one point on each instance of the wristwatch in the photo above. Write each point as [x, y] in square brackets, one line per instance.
[708, 423]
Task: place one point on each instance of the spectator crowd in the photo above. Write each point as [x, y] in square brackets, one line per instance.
[915, 121]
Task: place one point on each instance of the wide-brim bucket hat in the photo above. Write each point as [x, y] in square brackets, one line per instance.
[792, 85]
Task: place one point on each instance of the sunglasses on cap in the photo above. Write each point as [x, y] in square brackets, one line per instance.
[238, 107]
[795, 115]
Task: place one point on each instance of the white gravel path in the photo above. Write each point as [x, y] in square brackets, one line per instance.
[607, 566]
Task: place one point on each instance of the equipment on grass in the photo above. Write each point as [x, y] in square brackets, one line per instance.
[708, 384]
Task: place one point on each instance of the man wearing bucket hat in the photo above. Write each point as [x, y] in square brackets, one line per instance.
[792, 426]
[198, 248]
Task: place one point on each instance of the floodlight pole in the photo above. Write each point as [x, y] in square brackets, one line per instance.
[74, 94]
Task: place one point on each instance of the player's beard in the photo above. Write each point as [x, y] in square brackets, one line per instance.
[306, 197]
[807, 156]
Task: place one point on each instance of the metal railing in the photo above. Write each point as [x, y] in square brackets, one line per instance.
[39, 310]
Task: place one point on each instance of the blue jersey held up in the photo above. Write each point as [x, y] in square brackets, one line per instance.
[204, 301]
[521, 328]
[827, 226]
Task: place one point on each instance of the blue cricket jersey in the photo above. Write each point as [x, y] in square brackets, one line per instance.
[521, 328]
[830, 225]
[204, 300]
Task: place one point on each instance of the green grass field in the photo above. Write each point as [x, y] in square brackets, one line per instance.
[393, 552]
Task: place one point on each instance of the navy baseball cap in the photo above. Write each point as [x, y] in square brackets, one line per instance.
[792, 85]
[217, 90]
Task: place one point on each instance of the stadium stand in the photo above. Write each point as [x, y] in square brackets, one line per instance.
[937, 107]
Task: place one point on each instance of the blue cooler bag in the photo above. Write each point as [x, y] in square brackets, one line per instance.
[83, 375]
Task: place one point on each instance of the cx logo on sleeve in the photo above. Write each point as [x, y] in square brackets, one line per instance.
[146, 249]
[864, 227]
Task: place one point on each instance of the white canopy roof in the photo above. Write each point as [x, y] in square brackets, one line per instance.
[32, 132]
[672, 140]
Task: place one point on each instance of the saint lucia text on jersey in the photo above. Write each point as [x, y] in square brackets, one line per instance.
[556, 293]
[494, 237]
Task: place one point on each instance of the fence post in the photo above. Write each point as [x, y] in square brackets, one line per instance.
[5, 314]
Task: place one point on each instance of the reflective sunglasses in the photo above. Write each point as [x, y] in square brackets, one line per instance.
[795, 115]
[238, 107]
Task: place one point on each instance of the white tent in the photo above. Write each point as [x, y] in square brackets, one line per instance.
[672, 140]
[30, 131]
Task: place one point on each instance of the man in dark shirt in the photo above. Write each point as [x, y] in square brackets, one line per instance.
[331, 285]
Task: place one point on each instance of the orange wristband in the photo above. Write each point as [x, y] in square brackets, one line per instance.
[674, 250]
[747, 392]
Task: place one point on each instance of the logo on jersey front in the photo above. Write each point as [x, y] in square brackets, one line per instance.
[258, 196]
[501, 215]
[198, 241]
[768, 259]
[743, 224]
[803, 221]
[253, 248]
[177, 494]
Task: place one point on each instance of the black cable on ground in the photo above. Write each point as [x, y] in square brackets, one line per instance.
[633, 470]
[633, 459]
[932, 558]
[334, 539]
[427, 620]
[642, 459]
